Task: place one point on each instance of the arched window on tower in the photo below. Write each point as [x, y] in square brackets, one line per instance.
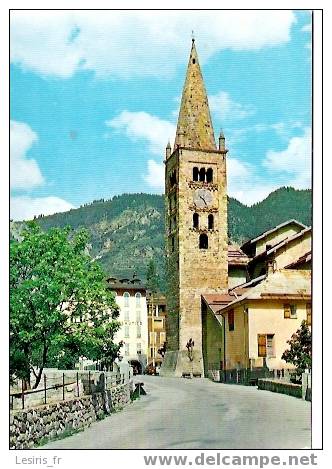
[203, 241]
[209, 175]
[210, 222]
[172, 179]
[195, 220]
[195, 174]
[202, 174]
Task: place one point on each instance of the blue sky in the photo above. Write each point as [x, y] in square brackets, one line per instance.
[95, 96]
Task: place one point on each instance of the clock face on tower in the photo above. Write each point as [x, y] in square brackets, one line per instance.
[202, 198]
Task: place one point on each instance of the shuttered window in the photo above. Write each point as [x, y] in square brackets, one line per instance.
[308, 307]
[269, 345]
[265, 345]
[290, 311]
[261, 345]
[231, 320]
[287, 311]
[293, 313]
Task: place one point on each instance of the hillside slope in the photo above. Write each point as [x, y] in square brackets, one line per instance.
[128, 230]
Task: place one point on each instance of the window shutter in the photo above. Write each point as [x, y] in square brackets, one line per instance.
[308, 307]
[287, 311]
[261, 345]
[231, 320]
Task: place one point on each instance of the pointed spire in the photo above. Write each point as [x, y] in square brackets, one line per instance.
[221, 140]
[168, 150]
[194, 129]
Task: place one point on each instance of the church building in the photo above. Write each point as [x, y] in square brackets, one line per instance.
[228, 307]
[196, 224]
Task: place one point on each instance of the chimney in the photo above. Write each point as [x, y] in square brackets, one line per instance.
[271, 267]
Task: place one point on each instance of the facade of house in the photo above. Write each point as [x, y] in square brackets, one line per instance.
[266, 240]
[237, 266]
[278, 250]
[156, 310]
[248, 327]
[131, 299]
[258, 323]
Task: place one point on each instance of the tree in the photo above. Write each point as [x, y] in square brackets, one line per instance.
[152, 277]
[60, 306]
[299, 353]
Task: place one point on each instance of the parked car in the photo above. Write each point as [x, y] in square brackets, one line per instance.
[150, 370]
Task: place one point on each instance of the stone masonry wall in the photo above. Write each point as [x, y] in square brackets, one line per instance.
[30, 427]
[280, 387]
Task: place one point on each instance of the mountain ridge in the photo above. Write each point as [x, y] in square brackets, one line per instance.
[127, 231]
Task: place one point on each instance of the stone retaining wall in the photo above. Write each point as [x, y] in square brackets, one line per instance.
[30, 427]
[281, 387]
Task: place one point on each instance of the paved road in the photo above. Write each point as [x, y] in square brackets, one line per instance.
[182, 414]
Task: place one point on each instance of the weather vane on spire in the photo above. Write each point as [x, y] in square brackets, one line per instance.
[192, 35]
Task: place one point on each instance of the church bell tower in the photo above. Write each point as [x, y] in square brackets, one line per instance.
[196, 225]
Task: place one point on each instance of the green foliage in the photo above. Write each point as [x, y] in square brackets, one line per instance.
[281, 205]
[152, 280]
[60, 307]
[128, 231]
[299, 353]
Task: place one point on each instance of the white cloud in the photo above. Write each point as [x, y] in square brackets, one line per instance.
[24, 172]
[294, 162]
[25, 175]
[127, 43]
[143, 126]
[307, 28]
[25, 208]
[156, 175]
[285, 129]
[225, 109]
[244, 184]
[155, 132]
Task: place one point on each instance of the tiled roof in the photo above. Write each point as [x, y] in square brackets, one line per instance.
[282, 243]
[125, 284]
[282, 284]
[236, 256]
[301, 260]
[217, 301]
[276, 228]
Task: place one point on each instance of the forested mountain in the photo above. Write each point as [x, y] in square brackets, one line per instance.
[281, 205]
[128, 230]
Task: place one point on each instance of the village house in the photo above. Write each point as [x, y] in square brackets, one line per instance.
[248, 326]
[130, 296]
[261, 317]
[281, 245]
[237, 266]
[156, 306]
